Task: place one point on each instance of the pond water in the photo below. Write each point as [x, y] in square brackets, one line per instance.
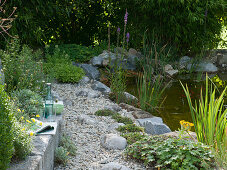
[175, 107]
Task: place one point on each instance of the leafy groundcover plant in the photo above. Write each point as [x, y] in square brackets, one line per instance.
[171, 153]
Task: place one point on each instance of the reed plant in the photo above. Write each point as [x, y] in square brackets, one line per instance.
[209, 118]
[118, 83]
[150, 91]
[150, 83]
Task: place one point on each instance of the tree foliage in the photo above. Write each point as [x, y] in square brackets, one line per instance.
[188, 25]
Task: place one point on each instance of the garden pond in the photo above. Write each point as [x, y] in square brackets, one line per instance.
[175, 106]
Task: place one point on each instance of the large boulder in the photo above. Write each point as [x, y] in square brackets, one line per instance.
[97, 85]
[96, 61]
[113, 141]
[114, 166]
[125, 63]
[154, 126]
[121, 58]
[204, 66]
[91, 71]
[103, 59]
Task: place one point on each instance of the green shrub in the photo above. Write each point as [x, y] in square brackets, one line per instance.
[20, 68]
[29, 102]
[59, 66]
[61, 155]
[105, 113]
[68, 73]
[22, 142]
[171, 153]
[133, 137]
[6, 130]
[68, 144]
[130, 128]
[121, 119]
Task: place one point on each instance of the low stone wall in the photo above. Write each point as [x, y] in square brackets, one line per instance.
[42, 156]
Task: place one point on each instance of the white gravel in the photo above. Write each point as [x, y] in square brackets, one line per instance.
[85, 129]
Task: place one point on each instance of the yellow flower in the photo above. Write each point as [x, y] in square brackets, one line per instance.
[28, 121]
[191, 124]
[23, 129]
[37, 116]
[31, 133]
[40, 123]
[33, 120]
[22, 118]
[18, 110]
[182, 122]
[22, 111]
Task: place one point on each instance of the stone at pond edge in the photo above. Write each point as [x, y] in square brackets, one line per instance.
[130, 97]
[96, 61]
[103, 59]
[126, 63]
[169, 70]
[113, 141]
[137, 113]
[100, 87]
[222, 59]
[202, 67]
[184, 61]
[114, 166]
[91, 71]
[154, 126]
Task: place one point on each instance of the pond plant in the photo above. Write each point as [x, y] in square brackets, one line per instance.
[209, 118]
[150, 83]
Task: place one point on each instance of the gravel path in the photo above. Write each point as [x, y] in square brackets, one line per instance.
[85, 129]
